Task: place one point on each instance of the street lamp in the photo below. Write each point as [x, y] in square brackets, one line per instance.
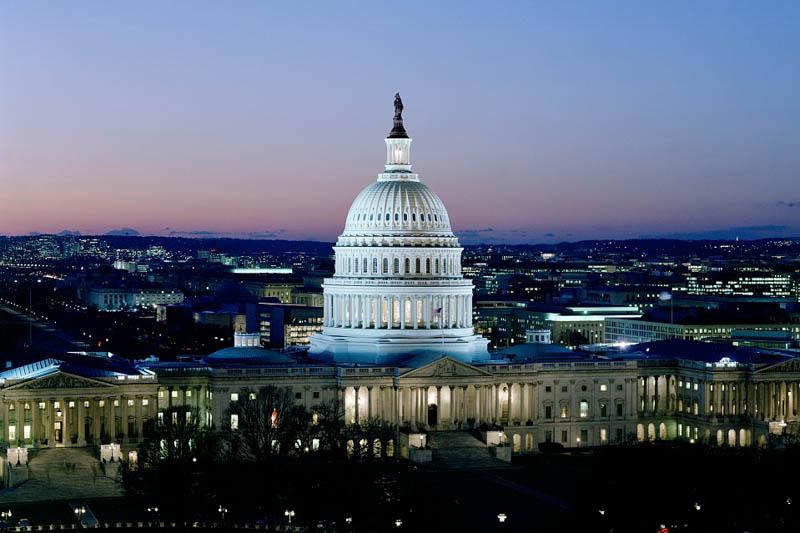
[6, 515]
[502, 517]
[79, 512]
[398, 523]
[288, 513]
[222, 512]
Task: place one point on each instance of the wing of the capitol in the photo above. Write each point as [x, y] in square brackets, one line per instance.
[398, 345]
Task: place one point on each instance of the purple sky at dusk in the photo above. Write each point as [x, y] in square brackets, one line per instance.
[533, 121]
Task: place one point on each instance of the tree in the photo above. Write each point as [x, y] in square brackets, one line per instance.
[331, 426]
[255, 431]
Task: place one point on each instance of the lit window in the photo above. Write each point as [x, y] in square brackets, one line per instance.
[71, 404]
[174, 394]
[584, 409]
[603, 387]
[161, 394]
[189, 393]
[56, 405]
[234, 396]
[145, 402]
[102, 403]
[42, 405]
[116, 403]
[130, 403]
[603, 434]
[564, 411]
[234, 422]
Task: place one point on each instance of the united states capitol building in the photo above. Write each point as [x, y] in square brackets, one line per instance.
[398, 345]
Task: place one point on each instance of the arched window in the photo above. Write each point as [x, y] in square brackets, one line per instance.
[428, 265]
[356, 265]
[365, 265]
[584, 409]
[444, 265]
[429, 217]
[396, 265]
[405, 217]
[407, 266]
[436, 266]
[413, 217]
[370, 216]
[374, 265]
[388, 216]
[418, 270]
[397, 217]
[435, 218]
[385, 265]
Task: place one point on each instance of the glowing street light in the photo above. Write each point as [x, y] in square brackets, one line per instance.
[222, 512]
[398, 523]
[288, 513]
[502, 517]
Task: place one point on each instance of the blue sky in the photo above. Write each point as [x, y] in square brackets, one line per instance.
[533, 121]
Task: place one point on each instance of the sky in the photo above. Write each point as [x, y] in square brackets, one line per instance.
[534, 121]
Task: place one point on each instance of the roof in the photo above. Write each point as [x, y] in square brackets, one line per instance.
[249, 355]
[705, 352]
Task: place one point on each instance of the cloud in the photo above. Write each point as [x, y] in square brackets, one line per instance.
[549, 235]
[787, 204]
[473, 233]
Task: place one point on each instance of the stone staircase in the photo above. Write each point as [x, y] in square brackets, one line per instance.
[63, 474]
[460, 450]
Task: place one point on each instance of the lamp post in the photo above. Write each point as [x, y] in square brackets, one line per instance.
[502, 517]
[222, 512]
[80, 512]
[398, 523]
[289, 514]
[5, 515]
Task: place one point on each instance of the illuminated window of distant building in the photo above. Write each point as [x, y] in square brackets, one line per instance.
[234, 421]
[564, 411]
[234, 396]
[603, 387]
[174, 393]
[161, 394]
[188, 393]
[584, 409]
[603, 434]
[145, 402]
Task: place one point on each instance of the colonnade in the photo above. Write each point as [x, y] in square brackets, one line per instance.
[433, 262]
[401, 311]
[61, 420]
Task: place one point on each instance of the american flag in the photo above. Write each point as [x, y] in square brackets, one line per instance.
[438, 310]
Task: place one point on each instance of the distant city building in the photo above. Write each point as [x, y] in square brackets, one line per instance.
[618, 329]
[283, 325]
[118, 299]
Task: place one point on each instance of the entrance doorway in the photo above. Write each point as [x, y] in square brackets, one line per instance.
[58, 436]
[433, 414]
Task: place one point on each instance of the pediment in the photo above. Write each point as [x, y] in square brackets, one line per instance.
[792, 365]
[446, 367]
[61, 380]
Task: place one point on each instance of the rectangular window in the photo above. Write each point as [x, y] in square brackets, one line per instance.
[548, 388]
[619, 387]
[234, 396]
[298, 395]
[603, 387]
[130, 403]
[316, 394]
[548, 436]
[619, 409]
[174, 394]
[620, 435]
[145, 402]
[42, 405]
[161, 394]
[564, 436]
[548, 411]
[563, 388]
[116, 403]
[603, 409]
[234, 422]
[603, 434]
[72, 405]
[564, 411]
[12, 432]
[585, 436]
[174, 417]
[26, 431]
[188, 393]
[584, 409]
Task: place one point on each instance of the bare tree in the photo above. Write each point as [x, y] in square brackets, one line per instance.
[254, 429]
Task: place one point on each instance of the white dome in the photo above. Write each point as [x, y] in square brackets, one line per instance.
[397, 290]
[401, 208]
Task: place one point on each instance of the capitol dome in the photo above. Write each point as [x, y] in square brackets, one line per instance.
[397, 291]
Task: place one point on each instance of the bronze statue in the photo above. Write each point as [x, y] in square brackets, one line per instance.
[398, 109]
[398, 130]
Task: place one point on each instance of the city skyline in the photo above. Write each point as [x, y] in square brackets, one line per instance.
[533, 124]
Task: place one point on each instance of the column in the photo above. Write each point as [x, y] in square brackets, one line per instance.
[370, 409]
[34, 420]
[412, 411]
[81, 421]
[389, 312]
[139, 421]
[402, 312]
[453, 411]
[65, 423]
[355, 408]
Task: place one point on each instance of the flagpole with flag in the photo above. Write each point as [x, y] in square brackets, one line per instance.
[438, 312]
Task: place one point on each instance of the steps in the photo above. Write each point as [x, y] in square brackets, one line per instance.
[459, 450]
[63, 474]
